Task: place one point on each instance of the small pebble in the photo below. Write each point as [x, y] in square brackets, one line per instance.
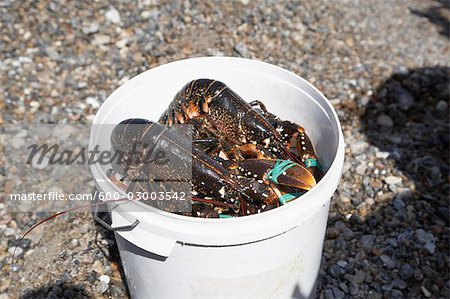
[398, 203]
[9, 232]
[399, 284]
[387, 261]
[385, 120]
[52, 53]
[367, 242]
[18, 251]
[91, 28]
[105, 279]
[406, 272]
[342, 263]
[442, 106]
[25, 243]
[113, 15]
[242, 50]
[393, 180]
[425, 292]
[93, 102]
[405, 99]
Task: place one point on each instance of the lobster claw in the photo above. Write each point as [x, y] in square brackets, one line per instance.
[283, 172]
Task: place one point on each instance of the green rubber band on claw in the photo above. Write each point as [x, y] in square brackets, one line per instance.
[288, 197]
[280, 167]
[224, 216]
[311, 162]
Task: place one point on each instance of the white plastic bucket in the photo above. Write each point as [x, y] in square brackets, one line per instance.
[275, 254]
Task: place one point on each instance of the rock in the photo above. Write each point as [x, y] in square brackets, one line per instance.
[17, 142]
[346, 232]
[363, 209]
[9, 231]
[4, 285]
[387, 287]
[16, 267]
[97, 267]
[430, 247]
[406, 272]
[101, 39]
[395, 294]
[113, 15]
[358, 278]
[399, 284]
[93, 102]
[382, 155]
[93, 27]
[18, 251]
[335, 271]
[393, 242]
[393, 180]
[387, 261]
[34, 106]
[442, 106]
[363, 101]
[401, 70]
[342, 263]
[100, 287]
[358, 147]
[425, 292]
[423, 236]
[105, 279]
[403, 194]
[435, 175]
[52, 53]
[385, 120]
[361, 169]
[242, 50]
[444, 213]
[398, 203]
[367, 242]
[405, 99]
[81, 85]
[25, 243]
[334, 293]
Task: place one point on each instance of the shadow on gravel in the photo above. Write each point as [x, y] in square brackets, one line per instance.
[408, 117]
[437, 14]
[56, 290]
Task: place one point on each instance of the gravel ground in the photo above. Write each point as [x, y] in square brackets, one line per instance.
[383, 64]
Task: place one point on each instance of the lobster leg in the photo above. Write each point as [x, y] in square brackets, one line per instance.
[305, 148]
[208, 144]
[261, 106]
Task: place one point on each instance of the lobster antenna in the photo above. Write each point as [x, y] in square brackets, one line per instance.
[54, 216]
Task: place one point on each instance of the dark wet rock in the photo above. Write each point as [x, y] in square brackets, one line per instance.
[406, 272]
[387, 261]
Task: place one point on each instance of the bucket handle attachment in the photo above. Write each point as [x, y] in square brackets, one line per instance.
[114, 229]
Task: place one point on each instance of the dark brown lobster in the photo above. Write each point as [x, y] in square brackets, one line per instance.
[222, 117]
[217, 189]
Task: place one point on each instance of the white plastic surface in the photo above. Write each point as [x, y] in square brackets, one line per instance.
[275, 254]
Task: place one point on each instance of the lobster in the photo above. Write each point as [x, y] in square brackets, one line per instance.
[217, 189]
[222, 118]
